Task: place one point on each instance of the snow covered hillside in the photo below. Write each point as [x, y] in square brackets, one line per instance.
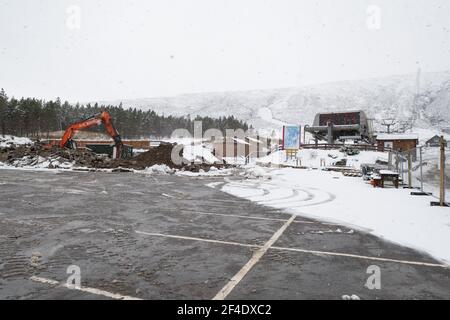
[394, 96]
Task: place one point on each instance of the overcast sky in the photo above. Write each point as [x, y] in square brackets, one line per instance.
[89, 50]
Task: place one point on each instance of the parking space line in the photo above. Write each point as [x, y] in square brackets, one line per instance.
[315, 252]
[348, 255]
[84, 289]
[44, 280]
[246, 217]
[198, 239]
[228, 288]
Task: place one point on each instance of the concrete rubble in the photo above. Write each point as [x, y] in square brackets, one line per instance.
[37, 155]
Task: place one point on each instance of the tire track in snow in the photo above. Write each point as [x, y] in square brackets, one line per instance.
[292, 199]
[314, 196]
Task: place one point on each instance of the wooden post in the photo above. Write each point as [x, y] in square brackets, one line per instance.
[304, 134]
[402, 168]
[390, 160]
[409, 170]
[257, 146]
[442, 193]
[421, 170]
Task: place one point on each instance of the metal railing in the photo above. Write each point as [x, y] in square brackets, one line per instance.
[424, 169]
[328, 146]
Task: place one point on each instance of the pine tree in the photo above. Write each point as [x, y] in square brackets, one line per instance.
[35, 117]
[3, 108]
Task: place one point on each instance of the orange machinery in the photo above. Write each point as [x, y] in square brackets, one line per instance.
[103, 118]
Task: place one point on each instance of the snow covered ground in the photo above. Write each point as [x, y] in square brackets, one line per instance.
[392, 214]
[213, 172]
[8, 141]
[38, 162]
[313, 158]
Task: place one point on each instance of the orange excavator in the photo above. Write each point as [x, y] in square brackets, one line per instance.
[103, 118]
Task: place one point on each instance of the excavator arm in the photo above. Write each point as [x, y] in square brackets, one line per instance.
[103, 118]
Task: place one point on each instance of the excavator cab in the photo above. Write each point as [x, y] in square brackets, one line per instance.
[103, 118]
[71, 144]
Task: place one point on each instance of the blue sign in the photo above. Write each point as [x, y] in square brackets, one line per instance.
[291, 137]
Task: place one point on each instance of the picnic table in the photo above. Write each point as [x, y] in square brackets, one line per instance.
[385, 175]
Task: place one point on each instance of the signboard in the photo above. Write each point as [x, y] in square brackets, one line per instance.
[291, 137]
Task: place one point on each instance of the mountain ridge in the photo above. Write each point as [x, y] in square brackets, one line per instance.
[394, 97]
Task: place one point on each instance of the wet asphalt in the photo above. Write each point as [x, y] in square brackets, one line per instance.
[52, 220]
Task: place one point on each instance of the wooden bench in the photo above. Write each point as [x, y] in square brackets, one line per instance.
[385, 175]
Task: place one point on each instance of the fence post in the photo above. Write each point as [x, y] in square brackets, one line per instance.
[390, 166]
[402, 169]
[397, 161]
[258, 146]
[442, 184]
[409, 170]
[421, 169]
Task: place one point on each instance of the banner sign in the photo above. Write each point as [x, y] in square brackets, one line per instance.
[291, 137]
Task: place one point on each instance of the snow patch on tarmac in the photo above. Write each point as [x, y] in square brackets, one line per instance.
[391, 214]
[213, 172]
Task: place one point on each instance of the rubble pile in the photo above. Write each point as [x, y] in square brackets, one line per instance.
[159, 155]
[54, 157]
[162, 155]
[41, 156]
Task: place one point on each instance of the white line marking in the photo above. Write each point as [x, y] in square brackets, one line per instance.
[168, 196]
[84, 289]
[43, 280]
[246, 217]
[251, 263]
[360, 257]
[315, 252]
[198, 239]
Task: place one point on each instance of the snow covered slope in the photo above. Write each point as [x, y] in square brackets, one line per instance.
[394, 96]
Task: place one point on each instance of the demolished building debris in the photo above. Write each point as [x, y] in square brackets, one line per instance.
[38, 155]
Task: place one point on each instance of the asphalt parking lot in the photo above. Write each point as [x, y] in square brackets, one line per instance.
[170, 237]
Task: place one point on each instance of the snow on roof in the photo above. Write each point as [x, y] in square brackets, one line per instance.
[436, 137]
[409, 136]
